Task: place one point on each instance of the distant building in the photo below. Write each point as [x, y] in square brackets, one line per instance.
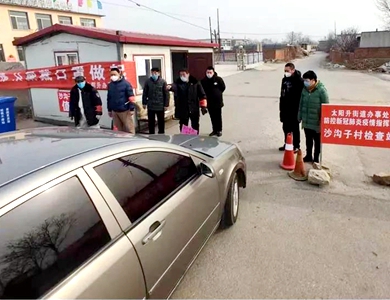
[20, 18]
[230, 44]
[375, 39]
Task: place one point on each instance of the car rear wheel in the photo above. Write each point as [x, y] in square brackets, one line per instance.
[232, 205]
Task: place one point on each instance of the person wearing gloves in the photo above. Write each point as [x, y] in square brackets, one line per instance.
[313, 96]
[85, 106]
[214, 86]
[155, 98]
[189, 99]
[120, 102]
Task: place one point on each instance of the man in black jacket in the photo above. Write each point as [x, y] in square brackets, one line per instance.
[214, 86]
[189, 99]
[290, 96]
[155, 98]
[85, 106]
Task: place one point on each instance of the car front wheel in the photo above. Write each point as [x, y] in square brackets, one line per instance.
[232, 205]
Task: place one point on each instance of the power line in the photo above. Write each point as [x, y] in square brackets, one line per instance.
[168, 15]
[172, 16]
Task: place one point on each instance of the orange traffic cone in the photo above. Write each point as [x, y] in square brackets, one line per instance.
[288, 162]
[299, 172]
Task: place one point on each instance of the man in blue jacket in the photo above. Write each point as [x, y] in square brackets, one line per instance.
[120, 102]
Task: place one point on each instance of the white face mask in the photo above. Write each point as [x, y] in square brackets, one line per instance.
[287, 74]
[209, 75]
[114, 78]
[184, 78]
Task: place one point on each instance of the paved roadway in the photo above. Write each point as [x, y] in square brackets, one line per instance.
[293, 240]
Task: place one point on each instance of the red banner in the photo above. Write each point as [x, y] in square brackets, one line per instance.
[355, 125]
[62, 77]
[63, 100]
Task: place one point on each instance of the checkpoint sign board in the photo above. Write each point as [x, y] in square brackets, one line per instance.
[355, 125]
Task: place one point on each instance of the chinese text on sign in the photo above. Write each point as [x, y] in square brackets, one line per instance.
[356, 125]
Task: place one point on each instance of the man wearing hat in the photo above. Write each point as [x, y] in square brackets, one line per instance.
[85, 106]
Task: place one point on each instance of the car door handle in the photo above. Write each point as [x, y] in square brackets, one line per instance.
[154, 232]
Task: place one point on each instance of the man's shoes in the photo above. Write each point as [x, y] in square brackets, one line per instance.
[308, 159]
[281, 148]
[219, 134]
[213, 133]
[316, 159]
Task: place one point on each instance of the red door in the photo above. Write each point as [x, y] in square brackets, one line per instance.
[198, 63]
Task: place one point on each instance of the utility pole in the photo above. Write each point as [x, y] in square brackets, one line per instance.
[219, 33]
[211, 31]
[215, 36]
[335, 31]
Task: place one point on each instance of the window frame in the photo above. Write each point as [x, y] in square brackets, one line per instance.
[16, 17]
[150, 58]
[66, 53]
[88, 20]
[20, 50]
[46, 15]
[96, 199]
[67, 17]
[111, 200]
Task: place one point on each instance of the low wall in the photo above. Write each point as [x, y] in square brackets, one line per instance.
[380, 52]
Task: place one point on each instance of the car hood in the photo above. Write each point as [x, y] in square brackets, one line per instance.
[209, 146]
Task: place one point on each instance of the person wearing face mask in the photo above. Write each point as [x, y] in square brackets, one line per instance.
[120, 102]
[85, 106]
[189, 99]
[290, 96]
[214, 86]
[313, 96]
[155, 98]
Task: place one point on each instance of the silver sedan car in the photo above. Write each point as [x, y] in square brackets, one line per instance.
[101, 214]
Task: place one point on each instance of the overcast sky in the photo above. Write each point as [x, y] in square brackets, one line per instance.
[239, 18]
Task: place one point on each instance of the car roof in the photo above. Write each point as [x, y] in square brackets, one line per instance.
[26, 151]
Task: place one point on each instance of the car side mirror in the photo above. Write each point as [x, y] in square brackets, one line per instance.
[206, 170]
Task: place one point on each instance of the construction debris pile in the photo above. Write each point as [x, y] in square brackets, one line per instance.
[373, 64]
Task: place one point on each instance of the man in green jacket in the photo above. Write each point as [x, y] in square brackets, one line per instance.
[314, 94]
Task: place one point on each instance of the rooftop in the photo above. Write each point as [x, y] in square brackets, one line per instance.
[110, 35]
[60, 9]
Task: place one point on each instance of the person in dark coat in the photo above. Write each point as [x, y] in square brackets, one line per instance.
[120, 102]
[290, 96]
[214, 86]
[155, 98]
[189, 99]
[85, 106]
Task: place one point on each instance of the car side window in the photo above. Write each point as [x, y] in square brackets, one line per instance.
[141, 181]
[46, 238]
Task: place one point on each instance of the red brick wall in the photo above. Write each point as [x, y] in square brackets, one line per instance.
[338, 57]
[269, 53]
[372, 53]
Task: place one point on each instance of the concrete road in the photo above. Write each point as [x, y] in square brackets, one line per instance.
[293, 240]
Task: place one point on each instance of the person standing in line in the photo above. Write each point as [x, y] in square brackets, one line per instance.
[214, 86]
[290, 96]
[189, 99]
[120, 102]
[85, 106]
[313, 96]
[155, 98]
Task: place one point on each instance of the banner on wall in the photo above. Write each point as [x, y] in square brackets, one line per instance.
[63, 100]
[62, 77]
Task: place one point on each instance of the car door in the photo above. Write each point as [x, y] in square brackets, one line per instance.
[61, 241]
[168, 210]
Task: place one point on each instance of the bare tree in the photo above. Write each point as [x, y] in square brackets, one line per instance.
[330, 42]
[347, 41]
[32, 251]
[293, 38]
[384, 7]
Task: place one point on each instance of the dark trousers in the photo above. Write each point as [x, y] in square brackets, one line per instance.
[216, 118]
[152, 121]
[292, 127]
[194, 121]
[313, 137]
